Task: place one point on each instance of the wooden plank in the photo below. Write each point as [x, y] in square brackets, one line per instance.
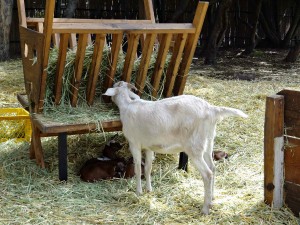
[273, 151]
[133, 41]
[291, 111]
[114, 56]
[60, 67]
[32, 21]
[160, 62]
[95, 68]
[22, 13]
[56, 39]
[96, 28]
[40, 27]
[82, 42]
[148, 10]
[174, 64]
[144, 63]
[292, 198]
[49, 12]
[189, 51]
[72, 41]
[32, 44]
[291, 160]
[47, 126]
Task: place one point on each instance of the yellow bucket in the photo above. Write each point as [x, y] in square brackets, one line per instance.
[14, 124]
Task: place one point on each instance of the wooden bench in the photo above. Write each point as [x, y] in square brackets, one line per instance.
[43, 33]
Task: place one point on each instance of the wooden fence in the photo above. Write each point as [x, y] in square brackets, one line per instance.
[238, 33]
[282, 150]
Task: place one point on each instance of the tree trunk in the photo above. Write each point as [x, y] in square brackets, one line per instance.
[252, 41]
[217, 32]
[70, 10]
[293, 54]
[295, 25]
[5, 23]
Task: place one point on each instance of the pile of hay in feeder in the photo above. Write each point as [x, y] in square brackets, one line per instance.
[99, 110]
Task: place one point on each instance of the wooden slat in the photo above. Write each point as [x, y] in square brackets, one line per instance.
[291, 160]
[33, 21]
[96, 28]
[292, 198]
[60, 67]
[55, 39]
[174, 64]
[22, 13]
[82, 42]
[133, 41]
[160, 62]
[49, 12]
[40, 27]
[189, 51]
[291, 111]
[148, 10]
[273, 150]
[95, 68]
[72, 41]
[144, 63]
[114, 56]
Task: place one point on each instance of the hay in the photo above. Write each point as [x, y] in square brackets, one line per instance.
[99, 111]
[31, 195]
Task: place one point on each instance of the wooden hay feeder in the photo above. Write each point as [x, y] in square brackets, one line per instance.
[282, 150]
[179, 40]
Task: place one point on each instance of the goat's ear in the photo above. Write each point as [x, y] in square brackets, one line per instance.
[131, 87]
[110, 92]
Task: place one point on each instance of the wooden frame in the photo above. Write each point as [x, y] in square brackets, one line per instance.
[36, 42]
[282, 150]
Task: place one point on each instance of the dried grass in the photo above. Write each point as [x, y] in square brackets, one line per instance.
[31, 195]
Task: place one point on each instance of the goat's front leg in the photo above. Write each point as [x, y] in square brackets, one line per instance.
[148, 168]
[137, 157]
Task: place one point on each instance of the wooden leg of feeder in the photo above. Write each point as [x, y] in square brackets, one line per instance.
[62, 157]
[36, 150]
[183, 161]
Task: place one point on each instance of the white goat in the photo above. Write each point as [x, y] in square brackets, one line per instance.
[182, 123]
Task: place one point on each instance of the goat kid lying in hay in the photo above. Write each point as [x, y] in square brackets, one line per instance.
[172, 125]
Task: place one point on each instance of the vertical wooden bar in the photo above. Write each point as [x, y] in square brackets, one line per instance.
[22, 13]
[189, 50]
[40, 27]
[60, 67]
[273, 151]
[144, 64]
[72, 41]
[148, 10]
[82, 42]
[55, 39]
[114, 56]
[133, 41]
[95, 68]
[48, 22]
[160, 62]
[174, 64]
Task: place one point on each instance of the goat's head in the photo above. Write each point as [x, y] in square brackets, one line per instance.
[120, 87]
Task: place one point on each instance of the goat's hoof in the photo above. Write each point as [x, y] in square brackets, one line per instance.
[139, 192]
[205, 210]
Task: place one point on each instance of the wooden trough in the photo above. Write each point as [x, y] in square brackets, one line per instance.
[282, 150]
[37, 35]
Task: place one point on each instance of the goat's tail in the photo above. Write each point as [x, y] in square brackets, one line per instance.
[224, 112]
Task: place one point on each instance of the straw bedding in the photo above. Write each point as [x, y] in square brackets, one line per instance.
[30, 195]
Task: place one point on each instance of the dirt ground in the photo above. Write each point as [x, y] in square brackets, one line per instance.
[260, 65]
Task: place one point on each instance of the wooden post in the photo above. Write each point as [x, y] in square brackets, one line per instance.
[273, 151]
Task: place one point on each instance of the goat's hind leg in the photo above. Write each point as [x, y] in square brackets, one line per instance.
[137, 157]
[207, 177]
